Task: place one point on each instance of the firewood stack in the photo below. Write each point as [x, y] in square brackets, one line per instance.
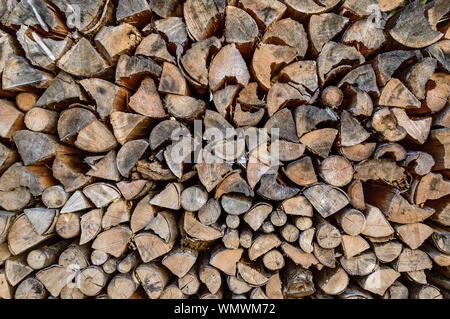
[99, 200]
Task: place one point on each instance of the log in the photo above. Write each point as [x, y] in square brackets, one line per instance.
[228, 55]
[30, 288]
[412, 17]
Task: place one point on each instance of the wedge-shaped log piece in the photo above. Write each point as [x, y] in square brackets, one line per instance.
[439, 52]
[262, 244]
[360, 102]
[251, 275]
[30, 288]
[297, 206]
[362, 78]
[180, 261]
[95, 138]
[49, 147]
[197, 230]
[353, 245]
[396, 94]
[83, 60]
[265, 13]
[117, 213]
[36, 178]
[240, 29]
[195, 61]
[174, 30]
[385, 64]
[113, 41]
[413, 235]
[172, 80]
[16, 269]
[326, 199]
[36, 13]
[302, 75]
[320, 141]
[307, 117]
[226, 260]
[367, 37]
[412, 28]
[202, 17]
[361, 265]
[130, 71]
[299, 257]
[19, 75]
[7, 157]
[103, 166]
[154, 46]
[395, 207]
[41, 219]
[385, 122]
[382, 169]
[439, 258]
[376, 224]
[233, 183]
[309, 7]
[129, 154]
[238, 71]
[73, 120]
[431, 186]
[42, 52]
[333, 54]
[133, 11]
[101, 194]
[91, 225]
[272, 189]
[283, 94]
[351, 131]
[89, 14]
[324, 27]
[22, 235]
[418, 76]
[299, 283]
[301, 172]
[257, 214]
[379, 281]
[333, 281]
[165, 131]
[224, 98]
[412, 260]
[55, 277]
[151, 246]
[169, 197]
[419, 163]
[283, 121]
[108, 97]
[128, 126]
[153, 278]
[268, 59]
[69, 171]
[75, 203]
[113, 241]
[185, 108]
[387, 252]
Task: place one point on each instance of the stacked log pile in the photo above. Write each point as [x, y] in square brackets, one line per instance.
[99, 100]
